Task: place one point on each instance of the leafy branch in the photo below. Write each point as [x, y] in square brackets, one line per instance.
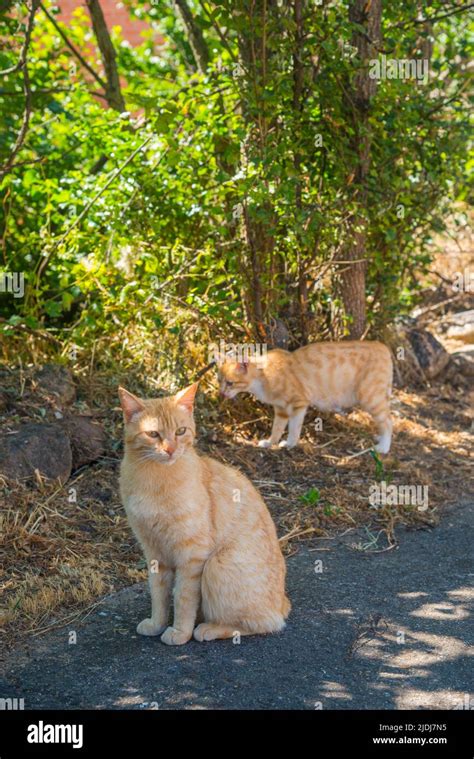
[22, 65]
[73, 48]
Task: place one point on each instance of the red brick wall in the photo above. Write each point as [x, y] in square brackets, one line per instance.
[116, 14]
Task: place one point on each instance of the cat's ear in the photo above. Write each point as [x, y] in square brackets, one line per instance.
[243, 367]
[131, 405]
[185, 398]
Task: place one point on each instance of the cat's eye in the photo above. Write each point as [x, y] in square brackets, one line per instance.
[181, 430]
[153, 433]
[229, 384]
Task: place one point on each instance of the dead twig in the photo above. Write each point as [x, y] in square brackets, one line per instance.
[31, 331]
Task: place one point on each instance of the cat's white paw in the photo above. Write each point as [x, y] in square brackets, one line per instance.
[205, 632]
[383, 444]
[148, 627]
[200, 632]
[264, 444]
[174, 637]
[286, 444]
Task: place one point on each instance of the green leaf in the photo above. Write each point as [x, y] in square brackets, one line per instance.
[311, 497]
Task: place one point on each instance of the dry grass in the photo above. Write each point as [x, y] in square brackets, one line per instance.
[57, 554]
[431, 447]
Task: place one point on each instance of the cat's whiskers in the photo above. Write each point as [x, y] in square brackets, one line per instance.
[148, 456]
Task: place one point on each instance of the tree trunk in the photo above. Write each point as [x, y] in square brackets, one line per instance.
[195, 36]
[368, 14]
[298, 93]
[256, 222]
[113, 92]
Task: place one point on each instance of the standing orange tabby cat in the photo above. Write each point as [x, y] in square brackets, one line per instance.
[330, 376]
[203, 527]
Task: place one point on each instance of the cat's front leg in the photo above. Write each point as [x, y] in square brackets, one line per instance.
[294, 429]
[187, 597]
[160, 582]
[280, 420]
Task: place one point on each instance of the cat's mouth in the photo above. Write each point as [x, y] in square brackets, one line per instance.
[170, 460]
[164, 458]
[228, 394]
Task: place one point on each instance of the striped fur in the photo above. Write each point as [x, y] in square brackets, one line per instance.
[329, 376]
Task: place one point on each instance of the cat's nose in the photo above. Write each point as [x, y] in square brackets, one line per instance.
[168, 449]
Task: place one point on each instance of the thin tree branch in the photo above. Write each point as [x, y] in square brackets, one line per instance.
[41, 159]
[219, 31]
[195, 35]
[27, 92]
[73, 49]
[449, 100]
[31, 331]
[113, 90]
[430, 19]
[49, 91]
[44, 262]
[26, 42]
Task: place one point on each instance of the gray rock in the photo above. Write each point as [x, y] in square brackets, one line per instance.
[44, 447]
[432, 358]
[464, 362]
[459, 326]
[56, 382]
[276, 334]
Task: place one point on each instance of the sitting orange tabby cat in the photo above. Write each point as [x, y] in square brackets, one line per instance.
[203, 528]
[330, 376]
